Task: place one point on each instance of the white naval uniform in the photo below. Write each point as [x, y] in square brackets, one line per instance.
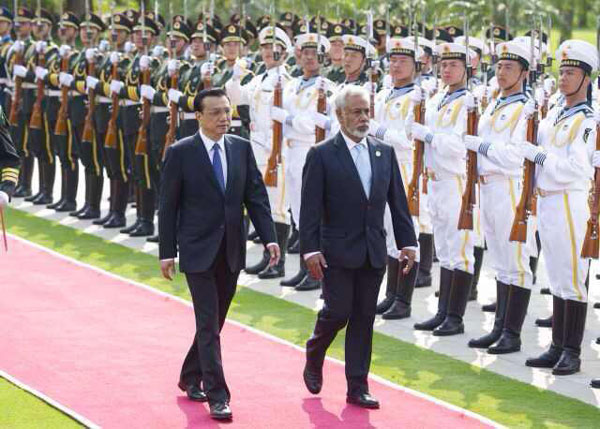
[393, 107]
[258, 94]
[300, 98]
[445, 160]
[563, 180]
[499, 165]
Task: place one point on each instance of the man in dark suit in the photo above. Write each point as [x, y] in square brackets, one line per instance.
[208, 179]
[346, 183]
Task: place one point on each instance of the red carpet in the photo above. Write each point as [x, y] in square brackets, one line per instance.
[111, 351]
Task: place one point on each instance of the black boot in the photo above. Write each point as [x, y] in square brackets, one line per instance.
[478, 253]
[308, 283]
[574, 326]
[445, 286]
[146, 226]
[138, 212]
[401, 308]
[596, 305]
[96, 183]
[550, 357]
[63, 190]
[294, 249]
[153, 239]
[120, 197]
[595, 383]
[393, 266]
[70, 202]
[533, 264]
[425, 260]
[544, 322]
[37, 195]
[48, 171]
[294, 241]
[510, 341]
[252, 235]
[298, 277]
[545, 291]
[261, 265]
[489, 308]
[23, 189]
[489, 339]
[111, 199]
[278, 270]
[457, 304]
[86, 203]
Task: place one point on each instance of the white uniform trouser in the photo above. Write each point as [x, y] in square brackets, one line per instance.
[295, 158]
[276, 193]
[562, 224]
[509, 259]
[454, 247]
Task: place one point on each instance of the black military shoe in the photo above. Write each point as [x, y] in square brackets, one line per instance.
[193, 392]
[153, 239]
[116, 221]
[547, 359]
[398, 310]
[508, 343]
[545, 291]
[489, 308]
[544, 323]
[569, 363]
[104, 219]
[385, 305]
[308, 284]
[485, 341]
[363, 400]
[452, 325]
[431, 324]
[313, 380]
[220, 411]
[595, 383]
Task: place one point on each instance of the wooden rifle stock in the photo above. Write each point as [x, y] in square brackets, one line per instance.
[173, 116]
[590, 242]
[321, 108]
[518, 231]
[35, 121]
[61, 120]
[88, 125]
[465, 219]
[413, 187]
[17, 97]
[111, 132]
[141, 144]
[275, 157]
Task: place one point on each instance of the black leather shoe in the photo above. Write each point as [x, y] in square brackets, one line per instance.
[431, 324]
[308, 284]
[451, 326]
[193, 392]
[132, 227]
[144, 229]
[43, 200]
[295, 280]
[595, 383]
[508, 343]
[398, 310]
[598, 340]
[597, 305]
[274, 272]
[485, 341]
[153, 239]
[489, 308]
[294, 249]
[78, 213]
[569, 363]
[22, 192]
[385, 305]
[66, 206]
[220, 411]
[423, 280]
[363, 400]
[104, 219]
[546, 360]
[313, 380]
[252, 236]
[545, 291]
[116, 221]
[544, 323]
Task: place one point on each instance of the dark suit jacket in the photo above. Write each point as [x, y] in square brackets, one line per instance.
[195, 214]
[336, 217]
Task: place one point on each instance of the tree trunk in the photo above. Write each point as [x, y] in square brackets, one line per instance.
[582, 13]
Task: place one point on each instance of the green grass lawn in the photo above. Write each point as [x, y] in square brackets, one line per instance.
[20, 409]
[506, 401]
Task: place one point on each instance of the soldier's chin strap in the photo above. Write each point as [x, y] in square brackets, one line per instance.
[579, 87]
[3, 229]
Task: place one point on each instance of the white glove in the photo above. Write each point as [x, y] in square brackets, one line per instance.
[40, 73]
[207, 68]
[416, 95]
[91, 82]
[549, 85]
[373, 127]
[158, 51]
[64, 50]
[144, 62]
[104, 45]
[90, 54]
[173, 66]
[18, 46]
[114, 58]
[320, 120]
[3, 199]
[238, 71]
[278, 114]
[174, 95]
[529, 151]
[128, 47]
[387, 81]
[472, 142]
[470, 101]
[116, 86]
[40, 46]
[320, 83]
[597, 116]
[596, 159]
[370, 87]
[529, 109]
[420, 132]
[19, 71]
[147, 92]
[65, 79]
[540, 95]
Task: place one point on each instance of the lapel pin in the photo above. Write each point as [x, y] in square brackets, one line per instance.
[377, 153]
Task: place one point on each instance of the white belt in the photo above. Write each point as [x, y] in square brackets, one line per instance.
[189, 115]
[53, 93]
[436, 177]
[543, 193]
[486, 179]
[28, 85]
[236, 123]
[159, 109]
[129, 103]
[102, 99]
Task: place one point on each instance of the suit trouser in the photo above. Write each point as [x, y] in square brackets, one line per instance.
[350, 299]
[212, 291]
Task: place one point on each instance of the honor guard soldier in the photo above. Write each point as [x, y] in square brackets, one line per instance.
[394, 108]
[356, 51]
[6, 26]
[499, 164]
[9, 162]
[258, 95]
[566, 142]
[335, 70]
[445, 123]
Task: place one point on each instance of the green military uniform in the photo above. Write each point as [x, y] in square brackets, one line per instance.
[9, 159]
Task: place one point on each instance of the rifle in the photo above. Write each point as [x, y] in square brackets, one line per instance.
[17, 97]
[60, 128]
[88, 124]
[590, 242]
[141, 144]
[484, 72]
[275, 156]
[35, 121]
[173, 108]
[111, 131]
[321, 96]
[525, 207]
[465, 220]
[207, 80]
[413, 194]
[371, 64]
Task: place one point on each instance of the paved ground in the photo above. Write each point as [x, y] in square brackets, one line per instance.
[535, 340]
